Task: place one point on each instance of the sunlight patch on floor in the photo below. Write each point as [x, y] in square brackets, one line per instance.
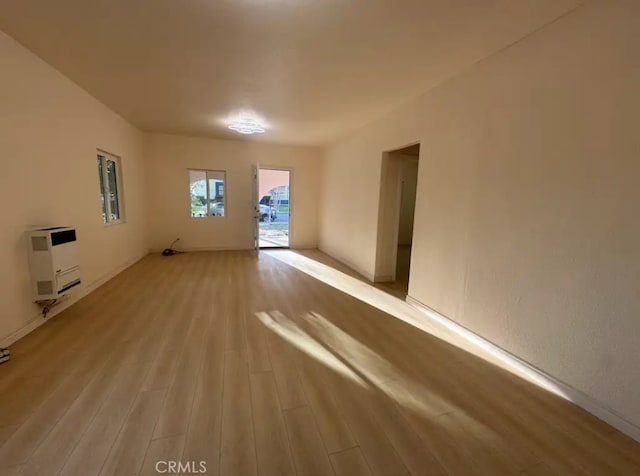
[432, 324]
[323, 341]
[294, 335]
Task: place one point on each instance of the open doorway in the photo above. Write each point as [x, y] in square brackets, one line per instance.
[395, 220]
[274, 205]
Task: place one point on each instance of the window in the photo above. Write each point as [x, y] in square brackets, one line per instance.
[207, 193]
[109, 174]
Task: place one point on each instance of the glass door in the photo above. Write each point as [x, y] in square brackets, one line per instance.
[274, 207]
[256, 208]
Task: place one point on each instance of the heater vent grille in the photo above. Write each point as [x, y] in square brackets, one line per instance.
[39, 243]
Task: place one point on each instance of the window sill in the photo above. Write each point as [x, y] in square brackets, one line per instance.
[113, 223]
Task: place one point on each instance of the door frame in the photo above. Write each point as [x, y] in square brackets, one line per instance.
[291, 188]
[255, 171]
[389, 203]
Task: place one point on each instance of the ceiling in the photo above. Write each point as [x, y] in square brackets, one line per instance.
[313, 69]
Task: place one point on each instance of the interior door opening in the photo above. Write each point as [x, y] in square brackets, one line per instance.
[396, 217]
[274, 207]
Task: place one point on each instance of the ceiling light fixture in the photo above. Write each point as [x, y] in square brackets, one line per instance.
[247, 125]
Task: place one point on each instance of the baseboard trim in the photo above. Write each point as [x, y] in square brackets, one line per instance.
[195, 249]
[549, 382]
[31, 326]
[37, 321]
[228, 248]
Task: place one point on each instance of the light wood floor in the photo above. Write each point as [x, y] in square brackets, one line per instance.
[257, 368]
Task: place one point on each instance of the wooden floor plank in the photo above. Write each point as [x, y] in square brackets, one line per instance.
[237, 452]
[309, 454]
[380, 454]
[335, 432]
[203, 438]
[350, 463]
[290, 390]
[93, 448]
[272, 444]
[162, 453]
[24, 441]
[257, 349]
[176, 410]
[53, 452]
[16, 470]
[6, 432]
[416, 456]
[236, 308]
[171, 360]
[128, 452]
[202, 441]
[538, 470]
[625, 445]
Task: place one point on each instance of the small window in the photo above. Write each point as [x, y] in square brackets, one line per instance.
[109, 175]
[207, 193]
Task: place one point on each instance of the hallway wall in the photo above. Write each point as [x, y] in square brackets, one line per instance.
[526, 226]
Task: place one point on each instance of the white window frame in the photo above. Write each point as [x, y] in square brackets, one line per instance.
[208, 192]
[104, 194]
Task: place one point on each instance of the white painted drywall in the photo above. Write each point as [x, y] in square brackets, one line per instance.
[527, 228]
[49, 132]
[168, 157]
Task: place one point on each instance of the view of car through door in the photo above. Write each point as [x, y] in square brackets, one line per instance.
[273, 208]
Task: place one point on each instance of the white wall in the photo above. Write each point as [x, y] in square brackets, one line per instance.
[168, 202]
[527, 228]
[49, 132]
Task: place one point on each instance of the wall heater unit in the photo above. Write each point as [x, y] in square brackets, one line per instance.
[53, 259]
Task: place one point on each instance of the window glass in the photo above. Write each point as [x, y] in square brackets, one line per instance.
[102, 190]
[207, 193]
[216, 193]
[198, 188]
[108, 170]
[114, 205]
